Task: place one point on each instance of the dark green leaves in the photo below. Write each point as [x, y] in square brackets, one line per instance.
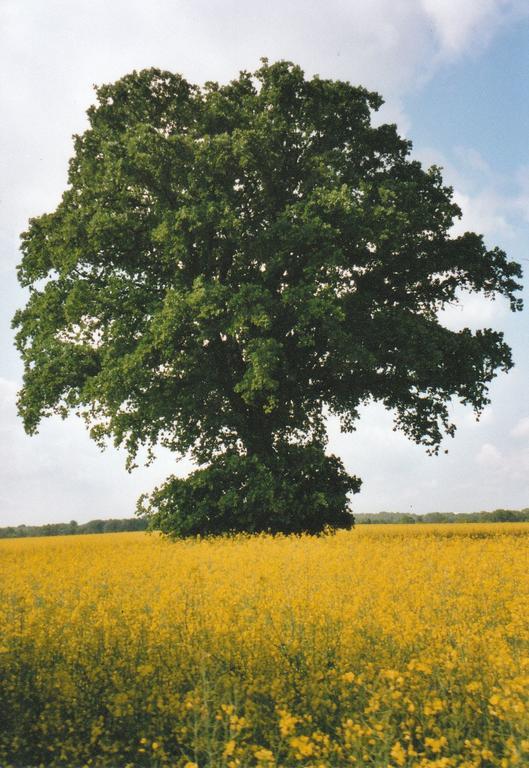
[229, 263]
[299, 489]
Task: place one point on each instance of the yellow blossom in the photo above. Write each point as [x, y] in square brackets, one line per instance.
[398, 753]
[222, 645]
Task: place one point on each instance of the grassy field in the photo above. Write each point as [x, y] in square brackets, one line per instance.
[382, 646]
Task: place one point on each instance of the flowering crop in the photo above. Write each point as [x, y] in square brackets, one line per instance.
[385, 646]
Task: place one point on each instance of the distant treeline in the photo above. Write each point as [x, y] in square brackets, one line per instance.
[139, 524]
[73, 527]
[497, 516]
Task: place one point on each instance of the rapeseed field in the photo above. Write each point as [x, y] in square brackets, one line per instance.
[385, 646]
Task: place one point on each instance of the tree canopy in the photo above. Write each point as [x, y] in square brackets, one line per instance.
[231, 263]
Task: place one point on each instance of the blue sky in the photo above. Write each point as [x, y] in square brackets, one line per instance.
[480, 100]
[455, 77]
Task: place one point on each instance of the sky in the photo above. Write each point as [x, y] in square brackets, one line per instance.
[455, 79]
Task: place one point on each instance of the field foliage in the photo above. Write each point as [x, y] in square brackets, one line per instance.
[382, 646]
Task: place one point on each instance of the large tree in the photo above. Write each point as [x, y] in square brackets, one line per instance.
[230, 264]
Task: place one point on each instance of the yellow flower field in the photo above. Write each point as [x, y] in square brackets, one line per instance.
[382, 646]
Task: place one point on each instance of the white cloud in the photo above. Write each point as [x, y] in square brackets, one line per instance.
[485, 212]
[521, 200]
[521, 429]
[472, 159]
[479, 192]
[489, 456]
[478, 472]
[60, 474]
[486, 418]
[474, 311]
[8, 391]
[460, 26]
[505, 469]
